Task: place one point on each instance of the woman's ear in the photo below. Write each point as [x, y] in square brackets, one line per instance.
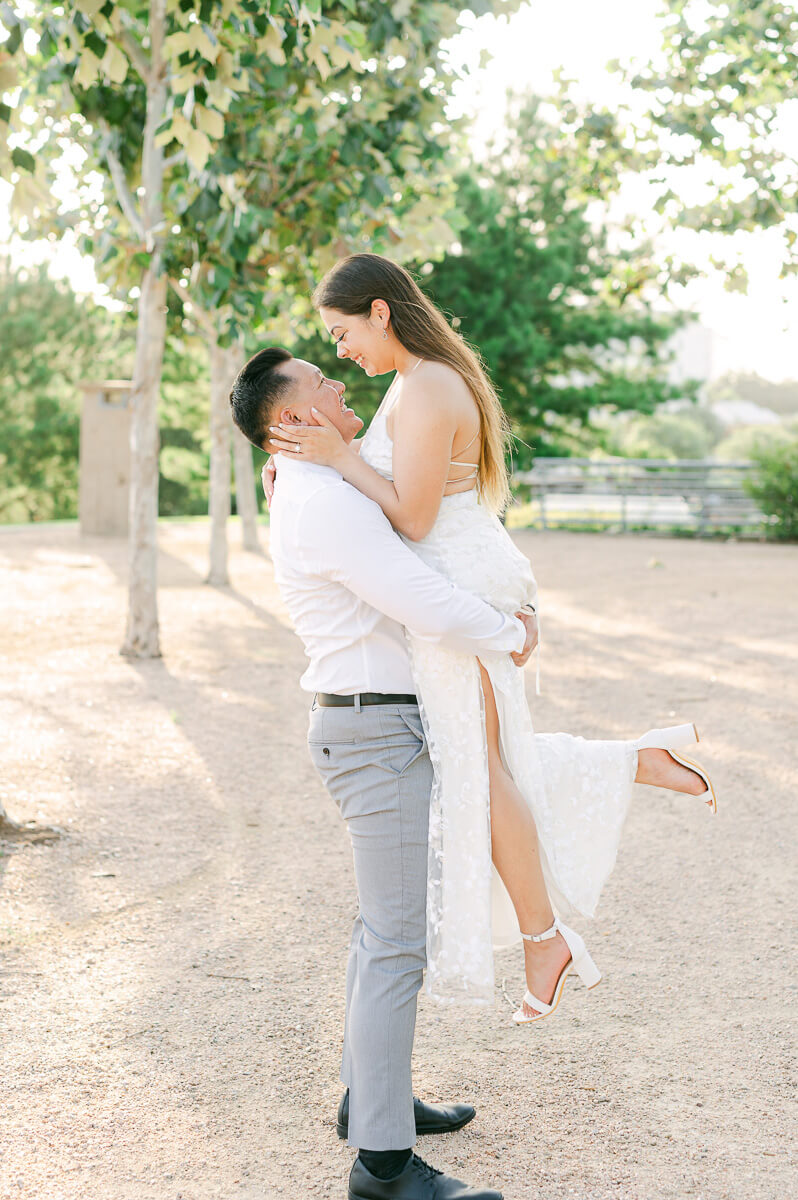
[381, 313]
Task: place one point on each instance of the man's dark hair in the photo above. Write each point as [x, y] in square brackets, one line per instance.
[257, 391]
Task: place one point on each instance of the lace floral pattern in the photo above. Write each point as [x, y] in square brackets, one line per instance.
[577, 790]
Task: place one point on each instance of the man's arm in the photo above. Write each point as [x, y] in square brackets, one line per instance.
[352, 540]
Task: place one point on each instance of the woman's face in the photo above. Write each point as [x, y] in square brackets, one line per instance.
[361, 338]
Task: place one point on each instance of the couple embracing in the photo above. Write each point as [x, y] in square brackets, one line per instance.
[469, 830]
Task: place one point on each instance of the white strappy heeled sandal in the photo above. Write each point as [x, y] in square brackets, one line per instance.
[580, 961]
[668, 739]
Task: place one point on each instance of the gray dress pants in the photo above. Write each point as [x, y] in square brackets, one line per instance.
[374, 763]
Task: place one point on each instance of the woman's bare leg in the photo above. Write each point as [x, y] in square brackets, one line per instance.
[516, 855]
[516, 852]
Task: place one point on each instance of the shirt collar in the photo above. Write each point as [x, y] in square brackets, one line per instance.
[294, 466]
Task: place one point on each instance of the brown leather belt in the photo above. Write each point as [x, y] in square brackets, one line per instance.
[329, 700]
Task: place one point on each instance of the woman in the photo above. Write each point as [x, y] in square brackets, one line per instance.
[547, 808]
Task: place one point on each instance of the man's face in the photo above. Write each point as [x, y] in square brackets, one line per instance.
[312, 389]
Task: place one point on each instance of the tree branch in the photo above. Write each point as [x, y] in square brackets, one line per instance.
[193, 311]
[123, 192]
[133, 50]
[178, 157]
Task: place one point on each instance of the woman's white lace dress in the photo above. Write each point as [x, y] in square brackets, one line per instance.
[578, 790]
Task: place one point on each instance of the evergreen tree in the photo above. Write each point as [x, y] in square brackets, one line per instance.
[566, 311]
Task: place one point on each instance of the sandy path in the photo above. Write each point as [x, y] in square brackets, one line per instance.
[173, 968]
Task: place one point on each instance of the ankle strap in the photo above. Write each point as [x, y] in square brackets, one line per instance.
[545, 935]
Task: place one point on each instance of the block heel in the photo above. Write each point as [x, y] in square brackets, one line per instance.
[670, 739]
[580, 962]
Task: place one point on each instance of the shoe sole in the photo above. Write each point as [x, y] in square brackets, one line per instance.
[712, 800]
[553, 1009]
[343, 1130]
[355, 1196]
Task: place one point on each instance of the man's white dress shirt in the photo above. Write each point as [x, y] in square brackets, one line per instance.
[350, 585]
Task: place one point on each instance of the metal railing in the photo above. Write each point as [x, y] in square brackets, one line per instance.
[695, 494]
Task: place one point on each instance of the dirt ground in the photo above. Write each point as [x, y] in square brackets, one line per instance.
[173, 966]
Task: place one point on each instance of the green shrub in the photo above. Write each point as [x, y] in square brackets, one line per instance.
[775, 486]
[688, 433]
[746, 441]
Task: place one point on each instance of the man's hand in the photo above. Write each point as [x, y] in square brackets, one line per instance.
[530, 623]
[268, 476]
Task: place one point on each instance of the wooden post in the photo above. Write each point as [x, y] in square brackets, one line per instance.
[104, 487]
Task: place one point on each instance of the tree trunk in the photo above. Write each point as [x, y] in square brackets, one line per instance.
[246, 500]
[221, 426]
[141, 638]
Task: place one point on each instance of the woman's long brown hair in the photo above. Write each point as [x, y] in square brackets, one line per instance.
[357, 281]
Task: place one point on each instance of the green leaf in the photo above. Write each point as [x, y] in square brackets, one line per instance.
[95, 43]
[88, 69]
[22, 159]
[13, 41]
[209, 121]
[115, 64]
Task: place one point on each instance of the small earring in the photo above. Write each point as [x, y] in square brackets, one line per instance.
[385, 335]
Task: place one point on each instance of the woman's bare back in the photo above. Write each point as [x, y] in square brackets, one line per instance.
[457, 398]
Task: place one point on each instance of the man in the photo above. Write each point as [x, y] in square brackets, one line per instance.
[351, 585]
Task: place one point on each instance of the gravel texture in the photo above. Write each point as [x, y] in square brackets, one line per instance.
[173, 966]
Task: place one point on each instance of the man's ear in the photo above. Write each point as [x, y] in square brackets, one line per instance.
[287, 416]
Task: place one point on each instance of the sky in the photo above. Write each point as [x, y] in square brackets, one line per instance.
[755, 332]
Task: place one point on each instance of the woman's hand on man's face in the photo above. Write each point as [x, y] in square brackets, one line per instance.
[321, 444]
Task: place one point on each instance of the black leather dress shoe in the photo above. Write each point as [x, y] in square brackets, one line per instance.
[430, 1118]
[418, 1181]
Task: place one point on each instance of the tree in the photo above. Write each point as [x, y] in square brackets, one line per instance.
[775, 486]
[728, 76]
[564, 307]
[113, 79]
[689, 433]
[246, 502]
[746, 441]
[144, 88]
[780, 398]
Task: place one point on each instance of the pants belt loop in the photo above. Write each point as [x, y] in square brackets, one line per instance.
[357, 702]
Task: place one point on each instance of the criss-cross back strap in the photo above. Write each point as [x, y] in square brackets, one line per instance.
[453, 461]
[473, 473]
